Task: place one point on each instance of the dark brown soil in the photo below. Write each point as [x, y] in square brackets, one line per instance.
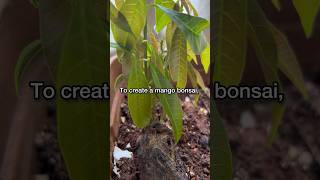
[192, 149]
[294, 153]
[48, 155]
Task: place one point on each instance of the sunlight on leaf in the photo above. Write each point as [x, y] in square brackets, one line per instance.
[191, 26]
[135, 12]
[139, 104]
[191, 55]
[178, 59]
[205, 58]
[118, 19]
[161, 18]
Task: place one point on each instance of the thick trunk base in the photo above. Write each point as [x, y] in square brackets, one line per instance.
[157, 158]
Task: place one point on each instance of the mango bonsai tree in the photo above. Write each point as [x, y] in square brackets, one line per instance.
[160, 57]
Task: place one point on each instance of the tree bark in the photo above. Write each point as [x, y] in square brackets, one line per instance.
[157, 157]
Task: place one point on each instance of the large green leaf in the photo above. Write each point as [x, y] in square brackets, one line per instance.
[178, 59]
[83, 126]
[230, 35]
[262, 38]
[162, 19]
[170, 103]
[191, 26]
[169, 33]
[139, 104]
[118, 19]
[123, 38]
[135, 12]
[191, 55]
[307, 10]
[26, 56]
[54, 19]
[222, 158]
[288, 62]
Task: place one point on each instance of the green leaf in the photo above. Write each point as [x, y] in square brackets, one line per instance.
[54, 19]
[26, 56]
[191, 55]
[277, 116]
[135, 12]
[192, 75]
[191, 26]
[261, 36]
[220, 148]
[123, 38]
[277, 4]
[307, 10]
[230, 37]
[169, 33]
[205, 58]
[120, 78]
[83, 126]
[156, 59]
[170, 103]
[139, 104]
[178, 59]
[118, 19]
[200, 81]
[288, 62]
[162, 19]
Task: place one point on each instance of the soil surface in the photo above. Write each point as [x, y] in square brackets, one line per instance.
[48, 155]
[295, 152]
[192, 149]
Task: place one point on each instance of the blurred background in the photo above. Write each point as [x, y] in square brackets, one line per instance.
[294, 155]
